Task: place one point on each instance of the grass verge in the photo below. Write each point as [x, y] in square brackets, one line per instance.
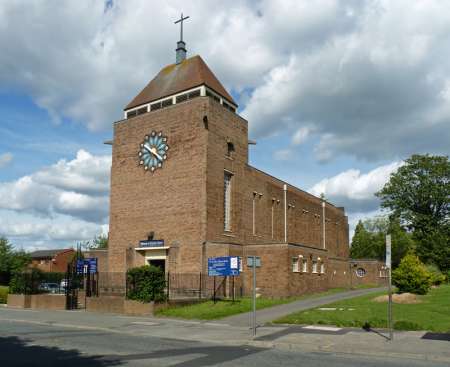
[209, 311]
[3, 294]
[432, 314]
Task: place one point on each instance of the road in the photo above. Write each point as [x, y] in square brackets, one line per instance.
[42, 338]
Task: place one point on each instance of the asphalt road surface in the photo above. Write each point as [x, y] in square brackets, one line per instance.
[31, 344]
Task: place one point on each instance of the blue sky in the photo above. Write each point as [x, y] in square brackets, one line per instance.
[337, 94]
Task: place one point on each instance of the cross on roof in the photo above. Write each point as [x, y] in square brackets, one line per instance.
[181, 21]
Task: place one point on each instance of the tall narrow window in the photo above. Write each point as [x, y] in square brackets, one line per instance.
[227, 201]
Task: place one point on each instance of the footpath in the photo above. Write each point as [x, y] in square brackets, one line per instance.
[272, 313]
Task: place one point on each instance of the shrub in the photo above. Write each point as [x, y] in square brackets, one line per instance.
[26, 282]
[146, 283]
[3, 294]
[437, 278]
[412, 276]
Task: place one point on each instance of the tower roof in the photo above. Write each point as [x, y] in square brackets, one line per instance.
[176, 78]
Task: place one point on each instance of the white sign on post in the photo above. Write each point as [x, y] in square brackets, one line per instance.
[388, 251]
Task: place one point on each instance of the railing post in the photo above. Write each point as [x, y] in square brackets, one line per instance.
[200, 286]
[168, 286]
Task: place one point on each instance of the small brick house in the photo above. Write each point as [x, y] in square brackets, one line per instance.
[181, 181]
[52, 260]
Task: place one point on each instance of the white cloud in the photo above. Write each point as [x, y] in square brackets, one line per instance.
[78, 188]
[33, 232]
[356, 190]
[301, 135]
[5, 159]
[370, 78]
[66, 201]
[283, 154]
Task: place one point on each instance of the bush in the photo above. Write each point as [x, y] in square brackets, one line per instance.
[3, 294]
[437, 278]
[146, 283]
[412, 276]
[26, 282]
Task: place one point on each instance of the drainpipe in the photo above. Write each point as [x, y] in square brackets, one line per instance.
[285, 212]
[323, 223]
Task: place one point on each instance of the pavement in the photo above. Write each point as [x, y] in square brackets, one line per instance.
[106, 339]
[270, 314]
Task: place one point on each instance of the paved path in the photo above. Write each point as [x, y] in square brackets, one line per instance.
[272, 313]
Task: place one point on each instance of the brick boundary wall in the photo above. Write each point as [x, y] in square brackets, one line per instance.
[48, 301]
[19, 301]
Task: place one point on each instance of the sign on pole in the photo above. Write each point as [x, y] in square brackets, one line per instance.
[389, 269]
[87, 265]
[223, 266]
[388, 251]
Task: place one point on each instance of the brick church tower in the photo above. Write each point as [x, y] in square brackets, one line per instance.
[163, 159]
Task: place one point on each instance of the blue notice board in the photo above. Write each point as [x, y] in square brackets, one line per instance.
[85, 265]
[223, 266]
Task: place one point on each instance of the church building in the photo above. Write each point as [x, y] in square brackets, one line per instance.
[182, 191]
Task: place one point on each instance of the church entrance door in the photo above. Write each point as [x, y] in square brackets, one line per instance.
[159, 263]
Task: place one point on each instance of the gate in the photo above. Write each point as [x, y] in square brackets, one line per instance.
[72, 284]
[80, 283]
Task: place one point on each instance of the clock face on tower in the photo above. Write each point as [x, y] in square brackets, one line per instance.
[153, 151]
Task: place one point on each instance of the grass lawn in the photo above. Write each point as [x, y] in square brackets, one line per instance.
[3, 294]
[209, 311]
[432, 314]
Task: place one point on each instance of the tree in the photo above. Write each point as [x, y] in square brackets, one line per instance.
[99, 242]
[412, 276]
[419, 195]
[363, 244]
[11, 261]
[369, 240]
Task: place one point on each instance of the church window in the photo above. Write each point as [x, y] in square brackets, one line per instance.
[295, 266]
[305, 265]
[211, 95]
[227, 201]
[182, 98]
[361, 272]
[194, 94]
[230, 149]
[322, 268]
[314, 266]
[155, 106]
[142, 110]
[167, 103]
[131, 114]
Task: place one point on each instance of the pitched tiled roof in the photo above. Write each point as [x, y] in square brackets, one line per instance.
[176, 78]
[47, 254]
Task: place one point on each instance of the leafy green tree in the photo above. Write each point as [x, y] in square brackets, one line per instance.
[412, 276]
[11, 261]
[369, 240]
[99, 242]
[419, 194]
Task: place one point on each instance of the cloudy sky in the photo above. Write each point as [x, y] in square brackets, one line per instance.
[337, 94]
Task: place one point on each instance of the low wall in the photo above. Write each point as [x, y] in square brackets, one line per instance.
[105, 304]
[48, 301]
[19, 301]
[118, 304]
[137, 308]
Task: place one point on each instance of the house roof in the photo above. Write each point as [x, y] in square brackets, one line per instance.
[47, 254]
[176, 78]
